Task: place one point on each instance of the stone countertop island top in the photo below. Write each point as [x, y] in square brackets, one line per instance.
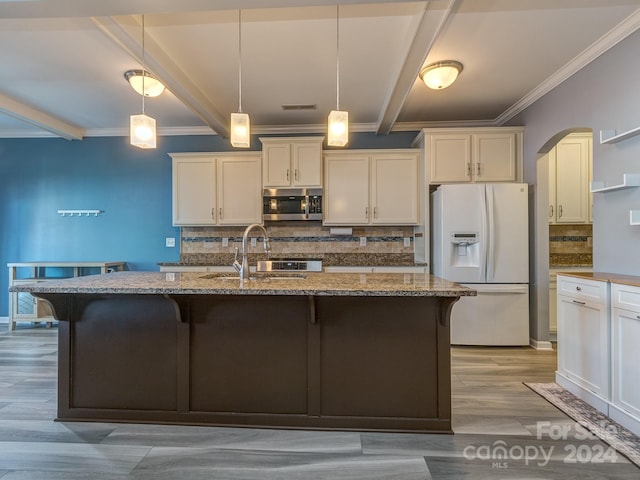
[326, 284]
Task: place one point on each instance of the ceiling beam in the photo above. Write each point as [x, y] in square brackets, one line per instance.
[429, 27]
[101, 8]
[32, 116]
[165, 69]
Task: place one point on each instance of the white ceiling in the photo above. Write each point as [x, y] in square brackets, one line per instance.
[62, 62]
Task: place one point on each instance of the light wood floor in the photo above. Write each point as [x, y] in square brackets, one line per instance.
[492, 409]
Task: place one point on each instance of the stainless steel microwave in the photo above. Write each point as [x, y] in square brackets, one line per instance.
[291, 204]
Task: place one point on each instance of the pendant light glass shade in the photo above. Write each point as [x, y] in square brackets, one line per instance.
[144, 83]
[440, 75]
[338, 131]
[240, 125]
[240, 130]
[142, 131]
[142, 128]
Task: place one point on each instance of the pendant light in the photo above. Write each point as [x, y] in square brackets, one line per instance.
[338, 128]
[142, 128]
[240, 125]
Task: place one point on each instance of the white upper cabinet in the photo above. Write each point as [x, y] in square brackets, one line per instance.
[371, 188]
[194, 190]
[216, 189]
[569, 177]
[292, 161]
[394, 188]
[239, 193]
[346, 193]
[473, 155]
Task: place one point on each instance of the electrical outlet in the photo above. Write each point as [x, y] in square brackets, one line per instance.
[363, 241]
[170, 242]
[254, 242]
[407, 242]
[225, 242]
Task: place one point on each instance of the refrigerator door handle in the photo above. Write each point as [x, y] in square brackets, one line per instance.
[490, 233]
[484, 237]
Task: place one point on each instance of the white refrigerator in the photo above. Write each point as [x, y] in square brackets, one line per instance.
[480, 238]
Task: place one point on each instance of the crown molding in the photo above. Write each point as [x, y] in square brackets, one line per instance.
[610, 39]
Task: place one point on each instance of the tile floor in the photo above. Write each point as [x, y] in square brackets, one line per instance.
[502, 431]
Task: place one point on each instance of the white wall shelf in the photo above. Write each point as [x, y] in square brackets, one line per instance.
[634, 217]
[628, 180]
[611, 136]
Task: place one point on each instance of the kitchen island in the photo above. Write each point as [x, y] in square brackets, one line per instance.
[327, 351]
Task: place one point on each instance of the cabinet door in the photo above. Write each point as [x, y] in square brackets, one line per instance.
[572, 173]
[626, 360]
[307, 164]
[494, 157]
[625, 355]
[394, 189]
[552, 186]
[239, 192]
[583, 343]
[346, 200]
[194, 191]
[277, 164]
[450, 158]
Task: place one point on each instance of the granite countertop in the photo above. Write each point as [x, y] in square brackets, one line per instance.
[631, 280]
[336, 284]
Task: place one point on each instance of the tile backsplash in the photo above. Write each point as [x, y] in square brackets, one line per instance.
[382, 245]
[570, 245]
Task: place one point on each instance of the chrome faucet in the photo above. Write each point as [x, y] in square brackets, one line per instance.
[243, 268]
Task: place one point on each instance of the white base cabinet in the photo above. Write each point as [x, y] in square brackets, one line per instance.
[583, 339]
[625, 359]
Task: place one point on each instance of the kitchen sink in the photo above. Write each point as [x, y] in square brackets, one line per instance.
[256, 276]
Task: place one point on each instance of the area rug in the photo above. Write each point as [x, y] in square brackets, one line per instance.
[610, 432]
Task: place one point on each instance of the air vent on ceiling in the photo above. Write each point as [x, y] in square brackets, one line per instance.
[299, 107]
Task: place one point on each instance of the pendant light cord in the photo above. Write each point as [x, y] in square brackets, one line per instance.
[239, 61]
[337, 57]
[144, 68]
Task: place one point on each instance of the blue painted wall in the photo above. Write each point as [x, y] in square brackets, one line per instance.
[38, 177]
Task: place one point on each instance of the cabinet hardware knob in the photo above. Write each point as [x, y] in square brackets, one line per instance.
[550, 211]
[579, 303]
[287, 174]
[295, 174]
[559, 211]
[213, 213]
[579, 288]
[221, 212]
[478, 169]
[375, 212]
[469, 169]
[366, 212]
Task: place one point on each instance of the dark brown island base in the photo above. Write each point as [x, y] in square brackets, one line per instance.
[329, 351]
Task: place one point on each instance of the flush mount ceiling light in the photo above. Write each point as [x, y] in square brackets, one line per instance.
[144, 83]
[240, 124]
[142, 128]
[338, 128]
[440, 75]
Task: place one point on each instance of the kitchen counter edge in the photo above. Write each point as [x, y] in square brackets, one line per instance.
[335, 284]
